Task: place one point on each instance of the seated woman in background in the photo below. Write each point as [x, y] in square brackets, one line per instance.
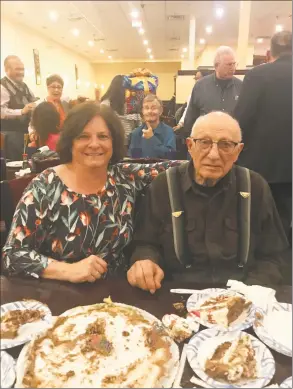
[115, 98]
[74, 220]
[46, 123]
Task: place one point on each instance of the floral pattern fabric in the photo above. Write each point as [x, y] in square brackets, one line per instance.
[52, 221]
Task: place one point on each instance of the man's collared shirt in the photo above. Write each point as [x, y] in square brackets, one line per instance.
[211, 226]
[161, 145]
[208, 95]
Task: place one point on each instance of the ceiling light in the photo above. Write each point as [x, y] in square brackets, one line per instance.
[91, 43]
[184, 50]
[134, 14]
[259, 40]
[145, 42]
[54, 16]
[279, 28]
[182, 55]
[136, 23]
[102, 86]
[109, 56]
[149, 50]
[75, 32]
[219, 12]
[209, 29]
[102, 51]
[202, 41]
[151, 56]
[141, 31]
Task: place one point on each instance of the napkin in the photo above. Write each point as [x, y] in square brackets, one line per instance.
[260, 296]
[278, 324]
[23, 172]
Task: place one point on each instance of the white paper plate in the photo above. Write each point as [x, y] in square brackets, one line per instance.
[7, 370]
[205, 341]
[27, 331]
[165, 382]
[287, 383]
[14, 164]
[262, 331]
[245, 320]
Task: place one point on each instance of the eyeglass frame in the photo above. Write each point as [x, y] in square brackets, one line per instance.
[216, 142]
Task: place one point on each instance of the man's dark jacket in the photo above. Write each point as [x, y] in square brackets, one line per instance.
[264, 112]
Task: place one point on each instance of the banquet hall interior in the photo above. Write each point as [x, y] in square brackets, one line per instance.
[146, 160]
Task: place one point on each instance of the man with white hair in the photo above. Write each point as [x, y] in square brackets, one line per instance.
[17, 103]
[217, 92]
[208, 220]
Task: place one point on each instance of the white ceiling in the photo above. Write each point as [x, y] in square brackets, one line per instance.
[109, 24]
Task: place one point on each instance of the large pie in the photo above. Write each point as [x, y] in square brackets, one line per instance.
[100, 346]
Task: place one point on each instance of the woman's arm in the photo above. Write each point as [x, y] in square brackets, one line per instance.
[21, 254]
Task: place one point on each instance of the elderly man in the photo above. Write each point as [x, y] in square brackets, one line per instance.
[217, 92]
[17, 102]
[212, 195]
[153, 139]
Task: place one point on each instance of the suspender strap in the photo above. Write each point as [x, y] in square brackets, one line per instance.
[244, 207]
[178, 216]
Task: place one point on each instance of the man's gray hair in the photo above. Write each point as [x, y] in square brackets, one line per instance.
[151, 97]
[9, 58]
[222, 50]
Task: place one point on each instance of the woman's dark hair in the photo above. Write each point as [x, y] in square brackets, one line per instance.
[54, 78]
[45, 120]
[116, 95]
[74, 124]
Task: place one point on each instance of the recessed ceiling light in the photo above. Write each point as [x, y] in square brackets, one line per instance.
[182, 55]
[259, 40]
[134, 13]
[75, 32]
[54, 16]
[209, 29]
[141, 31]
[102, 86]
[151, 56]
[202, 41]
[145, 42]
[279, 28]
[219, 12]
[149, 50]
[91, 43]
[136, 23]
[109, 56]
[102, 51]
[184, 50]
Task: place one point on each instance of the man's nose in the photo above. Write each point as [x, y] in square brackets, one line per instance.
[214, 151]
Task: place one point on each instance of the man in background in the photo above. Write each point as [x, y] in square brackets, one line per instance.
[153, 139]
[264, 112]
[217, 92]
[17, 103]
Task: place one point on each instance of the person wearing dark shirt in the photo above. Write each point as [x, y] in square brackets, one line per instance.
[210, 200]
[218, 91]
[153, 139]
[264, 112]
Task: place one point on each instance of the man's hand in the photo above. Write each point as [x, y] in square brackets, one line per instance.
[28, 108]
[148, 133]
[145, 274]
[89, 269]
[177, 127]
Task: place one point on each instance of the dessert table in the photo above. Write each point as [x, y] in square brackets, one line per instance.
[61, 296]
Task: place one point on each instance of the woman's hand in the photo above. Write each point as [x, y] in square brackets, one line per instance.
[89, 269]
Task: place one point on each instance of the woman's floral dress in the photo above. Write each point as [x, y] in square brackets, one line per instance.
[52, 221]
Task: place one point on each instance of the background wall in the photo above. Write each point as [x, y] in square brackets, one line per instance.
[166, 71]
[54, 58]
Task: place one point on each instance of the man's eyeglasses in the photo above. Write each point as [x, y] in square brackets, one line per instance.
[55, 87]
[224, 146]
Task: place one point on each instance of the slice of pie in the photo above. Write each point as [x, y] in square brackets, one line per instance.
[13, 320]
[222, 309]
[233, 361]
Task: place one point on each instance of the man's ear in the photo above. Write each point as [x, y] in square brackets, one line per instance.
[240, 148]
[189, 144]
